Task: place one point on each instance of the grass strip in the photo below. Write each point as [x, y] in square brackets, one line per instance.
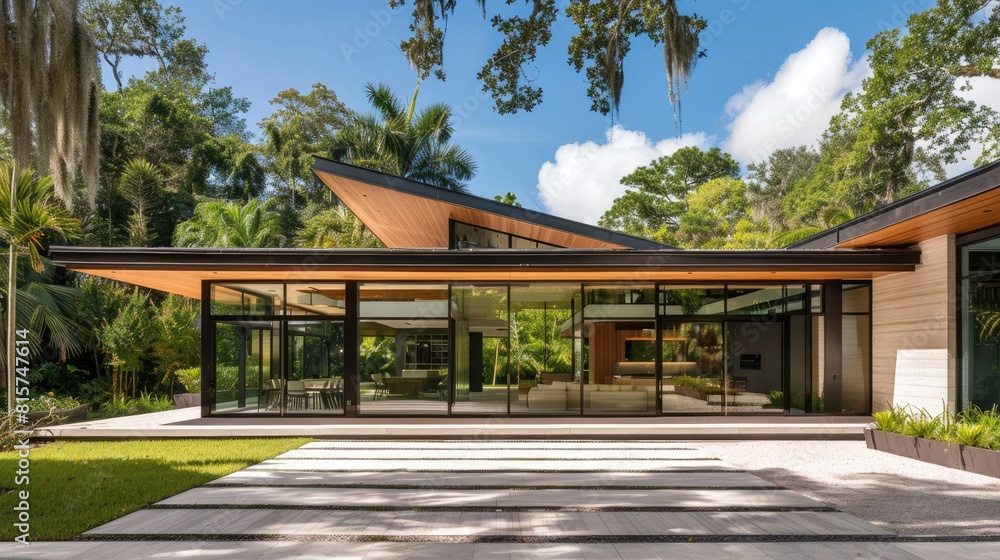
[77, 485]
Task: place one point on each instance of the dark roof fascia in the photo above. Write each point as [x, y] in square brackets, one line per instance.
[481, 204]
[961, 187]
[264, 260]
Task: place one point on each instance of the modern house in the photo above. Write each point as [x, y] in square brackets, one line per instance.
[901, 305]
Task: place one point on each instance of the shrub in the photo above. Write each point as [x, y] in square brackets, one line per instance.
[922, 425]
[975, 435]
[62, 379]
[190, 378]
[777, 398]
[123, 406]
[892, 420]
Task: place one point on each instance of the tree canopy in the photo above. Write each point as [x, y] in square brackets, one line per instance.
[604, 33]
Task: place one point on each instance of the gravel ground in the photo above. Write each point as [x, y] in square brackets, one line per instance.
[902, 495]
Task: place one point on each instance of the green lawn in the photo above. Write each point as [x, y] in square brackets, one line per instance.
[75, 486]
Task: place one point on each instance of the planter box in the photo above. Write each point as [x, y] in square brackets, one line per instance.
[687, 392]
[939, 452]
[187, 400]
[67, 416]
[981, 461]
[952, 455]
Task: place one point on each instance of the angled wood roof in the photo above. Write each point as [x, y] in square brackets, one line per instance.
[406, 214]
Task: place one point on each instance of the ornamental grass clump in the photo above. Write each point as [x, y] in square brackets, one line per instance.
[892, 420]
[974, 427]
[923, 425]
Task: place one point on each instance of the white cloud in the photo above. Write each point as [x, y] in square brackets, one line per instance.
[584, 179]
[795, 107]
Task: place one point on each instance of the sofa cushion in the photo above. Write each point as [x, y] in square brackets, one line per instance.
[559, 385]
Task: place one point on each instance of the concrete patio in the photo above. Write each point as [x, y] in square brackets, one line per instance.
[558, 499]
[187, 423]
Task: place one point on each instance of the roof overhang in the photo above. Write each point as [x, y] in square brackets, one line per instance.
[409, 214]
[181, 271]
[966, 203]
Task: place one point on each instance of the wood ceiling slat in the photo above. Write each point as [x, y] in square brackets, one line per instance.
[961, 217]
[188, 283]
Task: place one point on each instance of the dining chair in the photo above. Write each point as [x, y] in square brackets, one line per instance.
[297, 394]
[380, 387]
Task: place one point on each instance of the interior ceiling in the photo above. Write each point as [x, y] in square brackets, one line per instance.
[188, 282]
[403, 220]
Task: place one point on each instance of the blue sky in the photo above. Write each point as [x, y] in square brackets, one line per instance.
[775, 72]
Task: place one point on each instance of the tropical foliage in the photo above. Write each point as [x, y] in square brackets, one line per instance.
[399, 140]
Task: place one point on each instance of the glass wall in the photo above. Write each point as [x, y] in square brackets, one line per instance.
[546, 351]
[481, 342]
[406, 348]
[980, 324]
[252, 371]
[549, 348]
[620, 326]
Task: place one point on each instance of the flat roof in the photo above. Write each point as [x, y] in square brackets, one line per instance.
[404, 213]
[182, 270]
[962, 204]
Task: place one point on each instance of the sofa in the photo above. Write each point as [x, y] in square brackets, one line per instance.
[561, 396]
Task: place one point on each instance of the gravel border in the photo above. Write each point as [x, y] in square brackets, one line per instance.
[901, 495]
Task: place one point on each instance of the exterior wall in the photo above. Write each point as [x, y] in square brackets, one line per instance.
[914, 343]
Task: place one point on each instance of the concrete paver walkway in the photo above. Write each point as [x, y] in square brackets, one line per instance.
[492, 500]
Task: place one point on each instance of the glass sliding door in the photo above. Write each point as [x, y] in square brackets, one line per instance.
[619, 321]
[245, 361]
[315, 354]
[545, 349]
[481, 331]
[406, 348]
[755, 367]
[693, 366]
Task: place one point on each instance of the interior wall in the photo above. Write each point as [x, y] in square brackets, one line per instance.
[915, 311]
[764, 339]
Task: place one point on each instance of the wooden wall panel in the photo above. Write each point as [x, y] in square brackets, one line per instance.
[915, 311]
[603, 351]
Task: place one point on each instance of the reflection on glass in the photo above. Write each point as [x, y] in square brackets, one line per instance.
[406, 348]
[621, 350]
[693, 366]
[245, 361]
[856, 298]
[315, 367]
[246, 299]
[544, 348]
[315, 299]
[692, 300]
[481, 329]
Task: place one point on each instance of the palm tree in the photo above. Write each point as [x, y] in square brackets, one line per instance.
[230, 224]
[336, 227]
[27, 225]
[403, 142]
[832, 217]
[140, 183]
